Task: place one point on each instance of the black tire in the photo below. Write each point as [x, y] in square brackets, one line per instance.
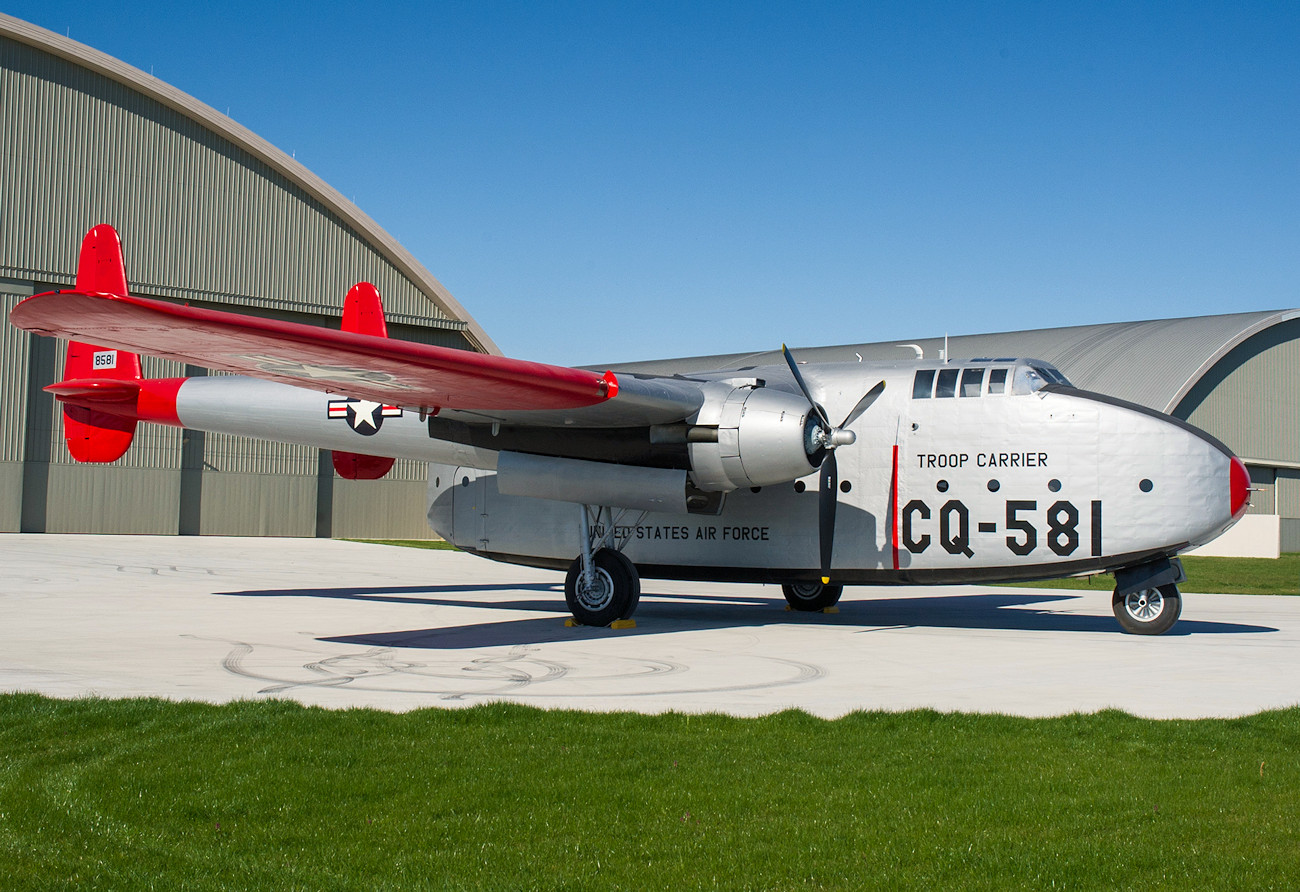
[1149, 611]
[630, 568]
[615, 594]
[811, 595]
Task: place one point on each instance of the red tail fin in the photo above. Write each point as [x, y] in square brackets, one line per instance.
[91, 435]
[363, 313]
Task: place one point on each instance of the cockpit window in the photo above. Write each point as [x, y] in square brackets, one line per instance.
[1027, 380]
[972, 380]
[1052, 375]
[997, 381]
[923, 385]
[947, 383]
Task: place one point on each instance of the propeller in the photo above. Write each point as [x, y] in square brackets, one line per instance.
[823, 438]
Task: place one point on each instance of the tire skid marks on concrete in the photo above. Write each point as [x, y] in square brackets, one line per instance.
[520, 672]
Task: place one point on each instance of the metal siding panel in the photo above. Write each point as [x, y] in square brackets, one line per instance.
[380, 509]
[1255, 410]
[258, 505]
[102, 499]
[11, 496]
[1287, 492]
[13, 379]
[1290, 535]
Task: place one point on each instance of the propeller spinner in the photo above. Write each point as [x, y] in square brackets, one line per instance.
[823, 438]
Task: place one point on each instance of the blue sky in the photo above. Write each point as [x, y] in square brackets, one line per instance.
[615, 181]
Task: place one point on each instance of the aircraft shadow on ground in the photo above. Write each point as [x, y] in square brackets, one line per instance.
[660, 613]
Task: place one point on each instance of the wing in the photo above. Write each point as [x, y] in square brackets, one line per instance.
[473, 386]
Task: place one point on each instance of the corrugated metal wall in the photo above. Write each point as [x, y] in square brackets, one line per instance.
[13, 410]
[199, 217]
[201, 220]
[1249, 399]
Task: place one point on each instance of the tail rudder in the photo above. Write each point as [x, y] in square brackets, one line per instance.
[100, 269]
[363, 313]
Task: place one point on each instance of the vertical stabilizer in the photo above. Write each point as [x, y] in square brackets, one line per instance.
[363, 313]
[92, 435]
[100, 269]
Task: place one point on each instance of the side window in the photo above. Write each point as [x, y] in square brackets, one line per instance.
[947, 383]
[998, 381]
[923, 385]
[971, 381]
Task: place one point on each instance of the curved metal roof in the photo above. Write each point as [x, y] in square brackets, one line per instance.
[367, 229]
[1154, 363]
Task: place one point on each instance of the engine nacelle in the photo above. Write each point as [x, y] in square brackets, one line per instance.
[762, 438]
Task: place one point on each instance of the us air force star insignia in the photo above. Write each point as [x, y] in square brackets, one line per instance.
[307, 371]
[363, 416]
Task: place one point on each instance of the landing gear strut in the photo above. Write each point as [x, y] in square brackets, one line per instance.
[602, 585]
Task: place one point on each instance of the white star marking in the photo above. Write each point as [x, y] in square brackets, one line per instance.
[364, 413]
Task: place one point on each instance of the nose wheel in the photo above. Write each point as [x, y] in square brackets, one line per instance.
[1148, 611]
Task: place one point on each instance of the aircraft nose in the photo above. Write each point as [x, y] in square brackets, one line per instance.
[1239, 487]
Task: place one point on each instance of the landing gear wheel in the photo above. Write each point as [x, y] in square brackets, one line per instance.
[811, 595]
[630, 568]
[1148, 611]
[614, 594]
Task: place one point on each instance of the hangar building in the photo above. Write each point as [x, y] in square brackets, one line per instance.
[213, 214]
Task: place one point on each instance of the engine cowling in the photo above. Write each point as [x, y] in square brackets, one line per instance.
[764, 437]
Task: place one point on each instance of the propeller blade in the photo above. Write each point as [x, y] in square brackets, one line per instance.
[864, 404]
[798, 379]
[827, 500]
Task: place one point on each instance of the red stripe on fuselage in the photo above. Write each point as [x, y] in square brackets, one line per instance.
[893, 509]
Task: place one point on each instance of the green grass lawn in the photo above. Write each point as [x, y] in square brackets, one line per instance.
[1235, 576]
[436, 544]
[146, 794]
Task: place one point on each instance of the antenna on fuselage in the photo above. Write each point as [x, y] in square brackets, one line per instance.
[944, 355]
[920, 354]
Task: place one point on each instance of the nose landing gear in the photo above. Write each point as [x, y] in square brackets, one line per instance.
[1146, 599]
[1148, 611]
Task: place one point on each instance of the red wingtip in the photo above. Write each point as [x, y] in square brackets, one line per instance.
[100, 269]
[363, 311]
[1239, 487]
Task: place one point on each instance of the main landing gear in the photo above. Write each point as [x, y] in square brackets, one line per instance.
[811, 596]
[602, 585]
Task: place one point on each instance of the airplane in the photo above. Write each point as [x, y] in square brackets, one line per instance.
[938, 471]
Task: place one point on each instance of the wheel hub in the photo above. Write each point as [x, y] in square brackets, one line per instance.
[1144, 606]
[598, 594]
[807, 590]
